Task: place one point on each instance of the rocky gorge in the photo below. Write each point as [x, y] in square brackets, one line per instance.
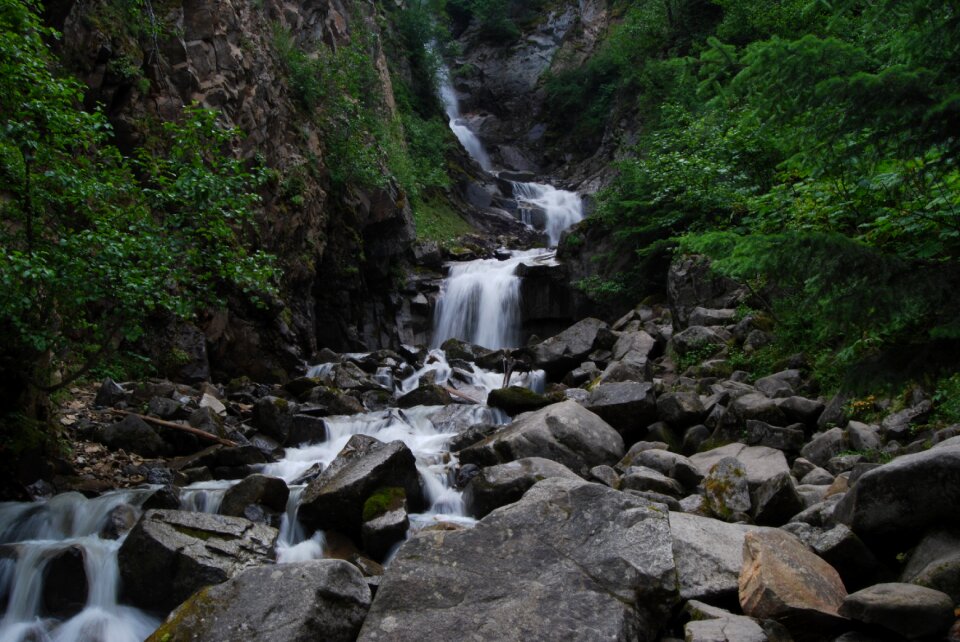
[420, 440]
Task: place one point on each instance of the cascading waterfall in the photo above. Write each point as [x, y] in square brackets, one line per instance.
[463, 133]
[480, 301]
[38, 532]
[561, 208]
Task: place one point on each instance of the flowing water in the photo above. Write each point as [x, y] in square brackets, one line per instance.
[479, 303]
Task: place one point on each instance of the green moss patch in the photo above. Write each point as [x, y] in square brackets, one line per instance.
[383, 500]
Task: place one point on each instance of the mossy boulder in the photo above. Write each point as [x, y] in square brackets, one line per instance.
[517, 399]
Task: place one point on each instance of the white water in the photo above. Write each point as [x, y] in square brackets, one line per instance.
[561, 208]
[38, 532]
[459, 128]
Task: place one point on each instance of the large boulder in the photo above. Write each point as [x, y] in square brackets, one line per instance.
[761, 463]
[565, 432]
[697, 340]
[170, 554]
[497, 486]
[335, 499]
[680, 409]
[824, 446]
[758, 407]
[935, 563]
[134, 435]
[565, 351]
[313, 600]
[514, 400]
[263, 490]
[628, 406]
[571, 560]
[711, 624]
[906, 609]
[726, 490]
[709, 556]
[635, 350]
[782, 580]
[893, 505]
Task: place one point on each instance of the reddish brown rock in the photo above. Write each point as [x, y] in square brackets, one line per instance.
[783, 580]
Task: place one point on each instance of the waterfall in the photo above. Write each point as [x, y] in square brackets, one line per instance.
[463, 133]
[560, 208]
[38, 532]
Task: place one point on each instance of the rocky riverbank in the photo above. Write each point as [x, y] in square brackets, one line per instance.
[628, 498]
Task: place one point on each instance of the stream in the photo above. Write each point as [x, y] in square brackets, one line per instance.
[479, 304]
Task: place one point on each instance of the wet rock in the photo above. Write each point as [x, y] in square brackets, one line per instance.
[119, 522]
[516, 399]
[563, 352]
[565, 432]
[497, 486]
[166, 497]
[306, 429]
[426, 394]
[627, 406]
[709, 556]
[335, 401]
[761, 463]
[726, 490]
[269, 492]
[824, 446]
[314, 600]
[935, 563]
[170, 554]
[680, 409]
[65, 583]
[335, 499]
[470, 436]
[134, 435]
[574, 560]
[232, 462]
[776, 501]
[906, 609]
[890, 506]
[782, 580]
[385, 521]
[273, 417]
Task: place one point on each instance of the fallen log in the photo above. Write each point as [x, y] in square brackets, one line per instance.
[170, 424]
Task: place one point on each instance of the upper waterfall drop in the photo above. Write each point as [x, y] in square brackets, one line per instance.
[463, 133]
[561, 208]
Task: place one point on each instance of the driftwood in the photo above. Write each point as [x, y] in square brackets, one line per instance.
[169, 424]
[457, 393]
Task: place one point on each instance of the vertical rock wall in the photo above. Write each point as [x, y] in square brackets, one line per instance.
[337, 247]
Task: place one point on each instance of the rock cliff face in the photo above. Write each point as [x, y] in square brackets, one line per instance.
[338, 245]
[502, 90]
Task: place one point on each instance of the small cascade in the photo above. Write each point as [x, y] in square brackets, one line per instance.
[463, 133]
[38, 532]
[560, 208]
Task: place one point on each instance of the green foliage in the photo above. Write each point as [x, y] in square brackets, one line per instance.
[95, 243]
[946, 401]
[383, 500]
[809, 149]
[436, 220]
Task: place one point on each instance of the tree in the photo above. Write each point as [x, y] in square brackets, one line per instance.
[95, 243]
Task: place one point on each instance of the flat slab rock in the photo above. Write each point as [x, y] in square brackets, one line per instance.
[760, 462]
[907, 609]
[572, 560]
[314, 600]
[170, 554]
